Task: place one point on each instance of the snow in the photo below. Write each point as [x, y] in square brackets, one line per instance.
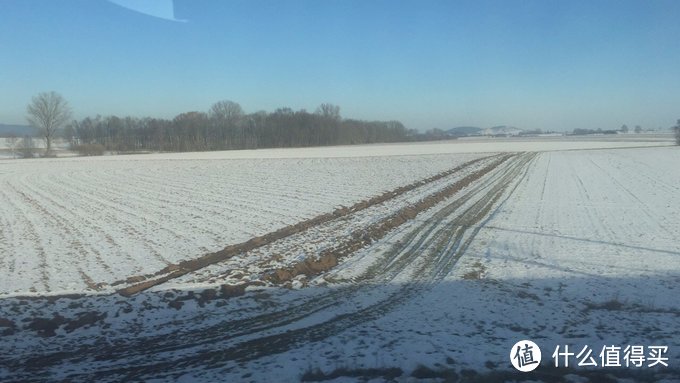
[581, 230]
[65, 222]
[580, 249]
[461, 145]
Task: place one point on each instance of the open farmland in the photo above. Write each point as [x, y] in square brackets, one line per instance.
[335, 263]
[90, 222]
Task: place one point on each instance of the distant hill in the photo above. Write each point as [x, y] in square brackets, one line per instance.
[463, 131]
[502, 130]
[17, 130]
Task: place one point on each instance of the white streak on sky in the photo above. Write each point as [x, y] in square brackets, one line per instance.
[163, 9]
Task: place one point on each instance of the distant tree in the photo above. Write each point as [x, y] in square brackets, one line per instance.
[284, 111]
[12, 141]
[581, 131]
[624, 129]
[676, 128]
[638, 129]
[225, 126]
[226, 110]
[48, 111]
[435, 134]
[70, 133]
[225, 122]
[27, 147]
[190, 131]
[329, 111]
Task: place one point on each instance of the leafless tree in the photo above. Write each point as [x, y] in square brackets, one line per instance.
[27, 147]
[226, 128]
[677, 133]
[329, 111]
[48, 111]
[190, 131]
[12, 141]
[70, 134]
[226, 110]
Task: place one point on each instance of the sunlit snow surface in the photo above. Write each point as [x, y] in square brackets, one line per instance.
[581, 250]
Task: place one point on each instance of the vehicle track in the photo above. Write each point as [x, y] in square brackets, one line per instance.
[185, 267]
[437, 263]
[431, 247]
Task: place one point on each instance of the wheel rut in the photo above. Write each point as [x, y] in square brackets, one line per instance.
[427, 252]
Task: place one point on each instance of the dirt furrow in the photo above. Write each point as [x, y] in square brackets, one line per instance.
[437, 243]
[141, 283]
[436, 264]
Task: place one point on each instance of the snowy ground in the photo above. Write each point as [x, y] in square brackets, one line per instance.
[86, 221]
[462, 145]
[583, 252]
[560, 247]
[102, 221]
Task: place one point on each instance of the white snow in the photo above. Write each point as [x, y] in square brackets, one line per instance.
[64, 221]
[583, 251]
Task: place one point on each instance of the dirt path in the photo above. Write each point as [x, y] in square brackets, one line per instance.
[427, 252]
[144, 282]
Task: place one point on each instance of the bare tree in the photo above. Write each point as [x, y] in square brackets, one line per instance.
[329, 111]
[70, 134]
[48, 111]
[225, 126]
[624, 129]
[26, 149]
[226, 117]
[638, 129]
[226, 111]
[12, 141]
[676, 128]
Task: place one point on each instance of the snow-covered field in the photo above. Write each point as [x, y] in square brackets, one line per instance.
[585, 251]
[560, 246]
[462, 145]
[66, 223]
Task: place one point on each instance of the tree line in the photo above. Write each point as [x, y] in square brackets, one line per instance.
[226, 126]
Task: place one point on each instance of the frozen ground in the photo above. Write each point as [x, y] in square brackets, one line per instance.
[462, 145]
[561, 247]
[68, 224]
[585, 251]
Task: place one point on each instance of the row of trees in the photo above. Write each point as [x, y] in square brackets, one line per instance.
[21, 147]
[226, 126]
[625, 129]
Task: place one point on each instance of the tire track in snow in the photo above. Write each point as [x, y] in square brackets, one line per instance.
[437, 264]
[645, 211]
[433, 246]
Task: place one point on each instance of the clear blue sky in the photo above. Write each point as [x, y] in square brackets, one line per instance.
[532, 64]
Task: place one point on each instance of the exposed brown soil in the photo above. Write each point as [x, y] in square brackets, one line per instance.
[327, 260]
[360, 238]
[432, 248]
